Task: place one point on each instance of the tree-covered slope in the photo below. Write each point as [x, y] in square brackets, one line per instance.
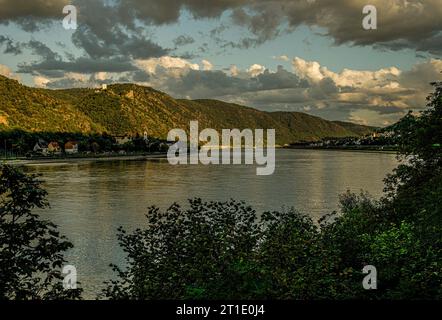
[132, 109]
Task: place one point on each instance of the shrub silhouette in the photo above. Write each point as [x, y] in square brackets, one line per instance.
[31, 255]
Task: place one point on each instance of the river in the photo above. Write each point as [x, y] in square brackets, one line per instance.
[90, 200]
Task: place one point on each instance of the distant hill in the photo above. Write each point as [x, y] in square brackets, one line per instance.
[356, 128]
[131, 109]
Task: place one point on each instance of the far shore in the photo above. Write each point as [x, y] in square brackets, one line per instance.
[41, 161]
[338, 148]
[141, 157]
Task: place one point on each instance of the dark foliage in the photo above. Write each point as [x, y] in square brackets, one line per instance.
[31, 249]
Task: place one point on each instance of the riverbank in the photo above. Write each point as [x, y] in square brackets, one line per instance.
[57, 160]
[386, 149]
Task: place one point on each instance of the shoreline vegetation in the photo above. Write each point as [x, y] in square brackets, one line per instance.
[380, 149]
[163, 155]
[85, 158]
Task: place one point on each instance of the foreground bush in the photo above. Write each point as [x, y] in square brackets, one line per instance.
[31, 249]
[187, 253]
[216, 250]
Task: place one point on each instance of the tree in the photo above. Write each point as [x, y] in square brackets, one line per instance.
[204, 251]
[31, 255]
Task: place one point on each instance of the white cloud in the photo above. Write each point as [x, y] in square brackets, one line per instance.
[309, 70]
[80, 77]
[7, 72]
[153, 65]
[386, 87]
[207, 65]
[41, 82]
[314, 72]
[234, 71]
[101, 76]
[375, 97]
[281, 58]
[255, 70]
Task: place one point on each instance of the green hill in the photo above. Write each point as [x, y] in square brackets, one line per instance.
[356, 128]
[131, 109]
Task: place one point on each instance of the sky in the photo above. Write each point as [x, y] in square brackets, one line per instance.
[312, 56]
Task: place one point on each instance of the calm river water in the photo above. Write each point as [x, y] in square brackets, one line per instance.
[90, 200]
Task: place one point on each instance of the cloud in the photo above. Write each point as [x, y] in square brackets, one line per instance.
[280, 79]
[41, 82]
[421, 74]
[255, 70]
[183, 40]
[42, 50]
[7, 72]
[15, 9]
[80, 65]
[11, 47]
[173, 64]
[375, 97]
[281, 58]
[207, 65]
[402, 24]
[372, 117]
[112, 34]
[31, 15]
[108, 41]
[314, 73]
[168, 11]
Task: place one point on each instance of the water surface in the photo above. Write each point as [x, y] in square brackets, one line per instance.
[90, 200]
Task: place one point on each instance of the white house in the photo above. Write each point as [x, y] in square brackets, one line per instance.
[41, 147]
[121, 140]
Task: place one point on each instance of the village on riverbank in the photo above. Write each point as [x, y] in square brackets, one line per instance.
[377, 141]
[30, 147]
[55, 146]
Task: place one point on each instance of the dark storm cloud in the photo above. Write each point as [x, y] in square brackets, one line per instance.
[214, 83]
[40, 49]
[205, 84]
[11, 47]
[39, 9]
[188, 56]
[168, 11]
[432, 44]
[116, 43]
[324, 89]
[80, 65]
[402, 24]
[65, 83]
[31, 15]
[183, 40]
[140, 76]
[281, 79]
[262, 22]
[104, 32]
